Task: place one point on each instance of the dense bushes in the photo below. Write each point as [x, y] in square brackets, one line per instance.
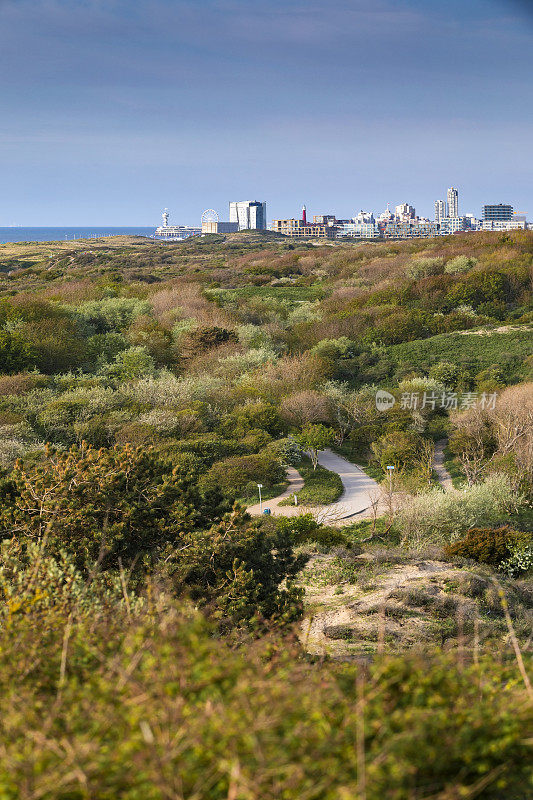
[488, 545]
[152, 705]
[103, 505]
[441, 517]
[233, 474]
[87, 511]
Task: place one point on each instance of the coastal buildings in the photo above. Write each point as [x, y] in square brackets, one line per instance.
[402, 223]
[174, 233]
[405, 212]
[440, 210]
[301, 229]
[358, 230]
[452, 225]
[215, 226]
[248, 214]
[497, 213]
[505, 225]
[502, 217]
[421, 229]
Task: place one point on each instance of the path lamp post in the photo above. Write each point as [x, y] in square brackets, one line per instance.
[260, 486]
[390, 468]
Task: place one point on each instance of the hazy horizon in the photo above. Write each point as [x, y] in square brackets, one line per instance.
[114, 111]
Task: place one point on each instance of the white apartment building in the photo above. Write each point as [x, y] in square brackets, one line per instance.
[453, 202]
[358, 230]
[248, 214]
[504, 225]
[440, 210]
[452, 225]
[364, 217]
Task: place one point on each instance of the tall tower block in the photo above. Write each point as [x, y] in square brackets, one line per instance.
[453, 202]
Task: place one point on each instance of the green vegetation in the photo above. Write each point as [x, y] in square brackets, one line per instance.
[151, 635]
[471, 352]
[151, 704]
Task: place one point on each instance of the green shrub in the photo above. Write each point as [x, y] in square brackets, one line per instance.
[233, 474]
[103, 505]
[520, 560]
[423, 267]
[460, 264]
[132, 363]
[488, 545]
[442, 517]
[403, 449]
[16, 353]
[305, 528]
[111, 313]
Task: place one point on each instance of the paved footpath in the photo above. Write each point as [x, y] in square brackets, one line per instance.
[359, 492]
[444, 477]
[296, 483]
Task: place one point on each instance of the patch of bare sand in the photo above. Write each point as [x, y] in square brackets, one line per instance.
[346, 619]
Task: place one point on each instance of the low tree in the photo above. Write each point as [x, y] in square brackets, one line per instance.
[473, 442]
[301, 408]
[314, 438]
[238, 571]
[404, 449]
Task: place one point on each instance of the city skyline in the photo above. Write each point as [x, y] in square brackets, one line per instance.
[115, 110]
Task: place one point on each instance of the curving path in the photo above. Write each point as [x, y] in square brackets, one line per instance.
[359, 492]
[296, 483]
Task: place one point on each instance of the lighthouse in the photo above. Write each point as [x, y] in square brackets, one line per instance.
[304, 215]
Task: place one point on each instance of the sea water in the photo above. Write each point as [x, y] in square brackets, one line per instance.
[15, 234]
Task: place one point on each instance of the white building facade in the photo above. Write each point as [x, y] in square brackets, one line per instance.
[248, 214]
[453, 202]
[357, 230]
[440, 210]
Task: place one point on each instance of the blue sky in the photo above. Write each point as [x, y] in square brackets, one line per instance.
[113, 109]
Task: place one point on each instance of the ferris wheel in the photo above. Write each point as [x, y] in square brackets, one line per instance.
[210, 215]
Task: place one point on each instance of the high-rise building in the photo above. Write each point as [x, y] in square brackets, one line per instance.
[453, 202]
[249, 214]
[440, 210]
[498, 213]
[405, 212]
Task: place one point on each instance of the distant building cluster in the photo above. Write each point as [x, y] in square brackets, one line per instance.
[243, 215]
[402, 223]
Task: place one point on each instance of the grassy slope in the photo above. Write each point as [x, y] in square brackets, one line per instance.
[478, 350]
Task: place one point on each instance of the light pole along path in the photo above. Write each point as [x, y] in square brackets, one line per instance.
[360, 490]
